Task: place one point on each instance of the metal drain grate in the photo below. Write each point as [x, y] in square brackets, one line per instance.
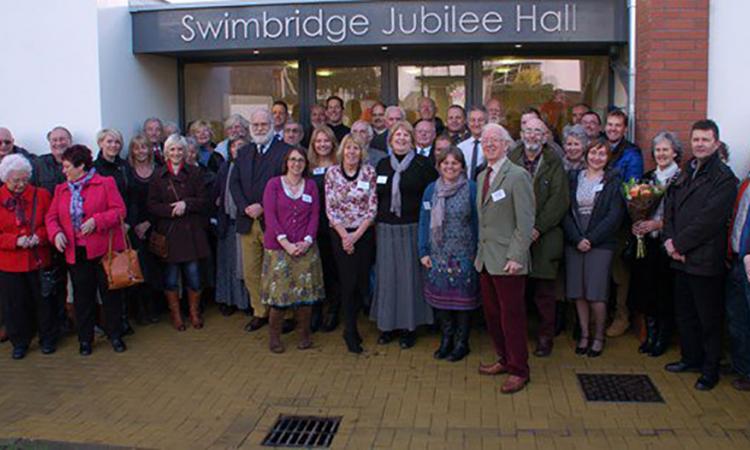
[608, 387]
[303, 431]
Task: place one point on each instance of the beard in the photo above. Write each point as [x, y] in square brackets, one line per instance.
[262, 139]
[533, 147]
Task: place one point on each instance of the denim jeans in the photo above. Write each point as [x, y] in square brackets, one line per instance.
[191, 276]
[738, 317]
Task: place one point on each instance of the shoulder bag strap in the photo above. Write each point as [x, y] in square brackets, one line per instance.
[32, 225]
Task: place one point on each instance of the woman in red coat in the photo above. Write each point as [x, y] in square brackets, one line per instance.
[24, 250]
[84, 211]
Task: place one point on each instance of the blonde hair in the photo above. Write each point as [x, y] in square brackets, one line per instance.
[402, 125]
[101, 135]
[139, 139]
[200, 123]
[349, 139]
[312, 155]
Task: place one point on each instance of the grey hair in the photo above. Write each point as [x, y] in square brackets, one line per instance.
[370, 133]
[175, 139]
[14, 163]
[479, 108]
[190, 141]
[504, 135]
[60, 128]
[168, 124]
[577, 132]
[152, 119]
[400, 110]
[265, 111]
[237, 118]
[673, 141]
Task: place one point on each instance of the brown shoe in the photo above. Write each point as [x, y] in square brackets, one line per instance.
[741, 384]
[173, 301]
[256, 323]
[619, 326]
[275, 319]
[194, 300]
[496, 368]
[543, 347]
[513, 384]
[303, 316]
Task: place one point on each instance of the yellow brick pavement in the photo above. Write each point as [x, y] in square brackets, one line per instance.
[220, 388]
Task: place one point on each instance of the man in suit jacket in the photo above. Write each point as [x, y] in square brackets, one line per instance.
[506, 222]
[696, 219]
[425, 134]
[551, 194]
[256, 163]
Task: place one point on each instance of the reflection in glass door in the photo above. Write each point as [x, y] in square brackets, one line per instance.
[359, 87]
[446, 84]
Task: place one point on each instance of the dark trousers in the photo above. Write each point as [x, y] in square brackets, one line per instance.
[505, 313]
[331, 279]
[738, 317]
[544, 299]
[354, 275]
[699, 312]
[25, 309]
[88, 277]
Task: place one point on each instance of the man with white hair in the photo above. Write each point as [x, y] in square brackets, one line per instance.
[393, 114]
[256, 163]
[236, 126]
[362, 132]
[472, 146]
[495, 111]
[506, 220]
[551, 194]
[428, 111]
[425, 134]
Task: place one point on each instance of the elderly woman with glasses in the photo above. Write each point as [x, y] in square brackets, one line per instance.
[24, 250]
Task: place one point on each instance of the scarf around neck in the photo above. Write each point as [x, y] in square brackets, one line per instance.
[443, 190]
[76, 199]
[663, 176]
[398, 168]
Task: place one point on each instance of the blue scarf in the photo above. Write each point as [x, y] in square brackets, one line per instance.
[76, 199]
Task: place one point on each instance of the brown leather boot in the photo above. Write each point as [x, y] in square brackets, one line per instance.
[275, 320]
[173, 301]
[303, 316]
[194, 300]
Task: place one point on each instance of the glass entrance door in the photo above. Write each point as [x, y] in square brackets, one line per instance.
[444, 83]
[359, 87]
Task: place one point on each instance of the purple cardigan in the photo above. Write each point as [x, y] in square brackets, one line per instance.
[296, 219]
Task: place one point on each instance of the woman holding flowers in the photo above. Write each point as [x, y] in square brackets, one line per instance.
[651, 277]
[591, 225]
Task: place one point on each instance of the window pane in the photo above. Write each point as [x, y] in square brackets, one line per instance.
[359, 87]
[213, 91]
[444, 84]
[551, 85]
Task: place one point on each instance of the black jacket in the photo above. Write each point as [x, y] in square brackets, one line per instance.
[47, 173]
[118, 169]
[606, 217]
[696, 216]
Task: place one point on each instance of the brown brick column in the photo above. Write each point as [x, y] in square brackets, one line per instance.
[672, 68]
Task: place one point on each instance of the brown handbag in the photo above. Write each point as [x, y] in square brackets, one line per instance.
[122, 268]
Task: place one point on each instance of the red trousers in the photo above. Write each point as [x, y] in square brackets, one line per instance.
[505, 313]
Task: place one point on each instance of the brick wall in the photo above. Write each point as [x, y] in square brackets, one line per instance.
[672, 68]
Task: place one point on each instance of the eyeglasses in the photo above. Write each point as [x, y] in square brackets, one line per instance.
[260, 125]
[533, 131]
[6, 142]
[297, 160]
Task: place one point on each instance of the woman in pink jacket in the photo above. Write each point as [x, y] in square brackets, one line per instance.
[84, 211]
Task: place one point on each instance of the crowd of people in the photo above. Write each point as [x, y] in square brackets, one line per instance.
[432, 223]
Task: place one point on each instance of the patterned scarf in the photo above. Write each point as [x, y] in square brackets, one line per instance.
[17, 205]
[398, 168]
[443, 190]
[76, 199]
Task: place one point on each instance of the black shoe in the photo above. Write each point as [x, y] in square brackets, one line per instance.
[288, 326]
[19, 352]
[316, 319]
[48, 348]
[127, 330]
[84, 348]
[595, 353]
[648, 345]
[680, 366]
[705, 383]
[582, 350]
[353, 344]
[118, 345]
[385, 337]
[461, 338]
[407, 340]
[446, 337]
[226, 310]
[331, 321]
[256, 323]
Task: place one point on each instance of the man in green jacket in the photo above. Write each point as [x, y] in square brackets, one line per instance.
[552, 202]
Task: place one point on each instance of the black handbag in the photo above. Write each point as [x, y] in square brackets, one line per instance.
[49, 278]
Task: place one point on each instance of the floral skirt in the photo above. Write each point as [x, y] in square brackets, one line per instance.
[291, 280]
[452, 283]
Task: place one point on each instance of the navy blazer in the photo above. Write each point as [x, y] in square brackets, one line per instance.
[606, 217]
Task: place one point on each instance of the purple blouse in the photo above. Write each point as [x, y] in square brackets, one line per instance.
[283, 215]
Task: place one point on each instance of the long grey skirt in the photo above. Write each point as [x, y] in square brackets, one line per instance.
[398, 301]
[587, 274]
[230, 287]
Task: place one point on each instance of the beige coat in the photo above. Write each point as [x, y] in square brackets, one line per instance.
[505, 221]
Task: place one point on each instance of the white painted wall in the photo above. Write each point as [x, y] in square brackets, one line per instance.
[70, 63]
[728, 69]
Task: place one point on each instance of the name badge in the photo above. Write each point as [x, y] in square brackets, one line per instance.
[427, 206]
[319, 171]
[364, 185]
[306, 198]
[382, 179]
[598, 188]
[498, 195]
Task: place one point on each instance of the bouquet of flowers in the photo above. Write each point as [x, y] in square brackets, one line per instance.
[642, 200]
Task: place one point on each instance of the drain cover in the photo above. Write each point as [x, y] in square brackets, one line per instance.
[302, 431]
[607, 387]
